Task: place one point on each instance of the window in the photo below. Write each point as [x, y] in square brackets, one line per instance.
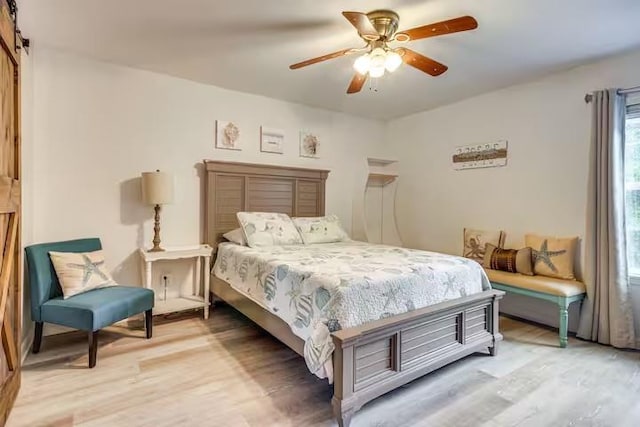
[632, 188]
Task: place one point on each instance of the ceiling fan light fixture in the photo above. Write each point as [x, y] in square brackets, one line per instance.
[376, 71]
[392, 61]
[378, 58]
[362, 64]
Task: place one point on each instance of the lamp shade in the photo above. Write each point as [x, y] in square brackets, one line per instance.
[157, 188]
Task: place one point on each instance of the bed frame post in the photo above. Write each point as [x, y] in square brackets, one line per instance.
[342, 402]
[494, 326]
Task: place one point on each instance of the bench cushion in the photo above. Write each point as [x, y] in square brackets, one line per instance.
[544, 284]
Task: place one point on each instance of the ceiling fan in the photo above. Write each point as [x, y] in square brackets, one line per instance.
[378, 29]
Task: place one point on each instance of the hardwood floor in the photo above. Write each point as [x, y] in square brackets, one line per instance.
[227, 372]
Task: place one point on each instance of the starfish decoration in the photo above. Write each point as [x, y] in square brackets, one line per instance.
[544, 255]
[89, 268]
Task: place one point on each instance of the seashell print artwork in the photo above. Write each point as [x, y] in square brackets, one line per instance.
[309, 145]
[488, 155]
[227, 135]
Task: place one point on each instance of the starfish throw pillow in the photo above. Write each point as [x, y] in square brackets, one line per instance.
[553, 256]
[80, 272]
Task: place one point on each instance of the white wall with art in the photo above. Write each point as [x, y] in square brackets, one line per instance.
[97, 126]
[543, 187]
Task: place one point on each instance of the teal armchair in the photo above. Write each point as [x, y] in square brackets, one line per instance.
[89, 311]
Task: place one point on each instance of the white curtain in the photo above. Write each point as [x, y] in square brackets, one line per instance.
[607, 313]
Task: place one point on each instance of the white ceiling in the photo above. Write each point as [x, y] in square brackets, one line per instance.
[247, 45]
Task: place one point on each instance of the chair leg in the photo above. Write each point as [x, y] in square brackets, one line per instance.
[93, 348]
[148, 323]
[37, 338]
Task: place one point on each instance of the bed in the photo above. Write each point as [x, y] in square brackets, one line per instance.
[400, 340]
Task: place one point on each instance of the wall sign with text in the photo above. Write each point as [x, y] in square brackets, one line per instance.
[487, 155]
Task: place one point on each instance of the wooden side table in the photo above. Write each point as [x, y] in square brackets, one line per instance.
[182, 302]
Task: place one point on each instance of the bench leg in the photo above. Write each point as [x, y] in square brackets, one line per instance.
[563, 306]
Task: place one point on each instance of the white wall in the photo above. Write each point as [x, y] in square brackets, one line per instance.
[543, 187]
[97, 126]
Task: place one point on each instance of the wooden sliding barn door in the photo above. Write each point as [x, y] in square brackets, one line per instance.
[10, 252]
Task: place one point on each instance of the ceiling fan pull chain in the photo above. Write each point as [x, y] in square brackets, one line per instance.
[373, 84]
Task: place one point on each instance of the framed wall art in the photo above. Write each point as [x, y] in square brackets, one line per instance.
[488, 155]
[228, 135]
[271, 140]
[309, 144]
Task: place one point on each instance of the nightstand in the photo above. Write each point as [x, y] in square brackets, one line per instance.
[182, 302]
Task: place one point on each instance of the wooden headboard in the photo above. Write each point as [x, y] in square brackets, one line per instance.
[235, 187]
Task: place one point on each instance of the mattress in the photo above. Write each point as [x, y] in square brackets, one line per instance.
[318, 289]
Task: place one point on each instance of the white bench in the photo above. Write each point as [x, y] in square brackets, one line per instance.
[561, 292]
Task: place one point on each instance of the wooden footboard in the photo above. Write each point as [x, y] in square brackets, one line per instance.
[377, 357]
[381, 356]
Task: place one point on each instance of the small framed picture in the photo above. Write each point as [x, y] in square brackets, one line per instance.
[227, 135]
[271, 140]
[309, 144]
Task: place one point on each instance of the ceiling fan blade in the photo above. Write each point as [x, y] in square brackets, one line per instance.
[356, 83]
[363, 25]
[421, 62]
[464, 23]
[320, 58]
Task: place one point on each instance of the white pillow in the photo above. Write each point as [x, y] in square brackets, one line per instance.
[235, 236]
[80, 272]
[323, 229]
[268, 229]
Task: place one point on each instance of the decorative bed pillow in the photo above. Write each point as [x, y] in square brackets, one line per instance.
[553, 256]
[80, 272]
[475, 241]
[323, 229]
[235, 236]
[510, 260]
[268, 229]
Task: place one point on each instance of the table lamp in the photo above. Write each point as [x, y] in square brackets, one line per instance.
[157, 190]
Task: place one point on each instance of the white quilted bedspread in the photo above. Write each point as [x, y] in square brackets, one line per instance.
[321, 288]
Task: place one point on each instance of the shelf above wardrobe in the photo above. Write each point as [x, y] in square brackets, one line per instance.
[380, 162]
